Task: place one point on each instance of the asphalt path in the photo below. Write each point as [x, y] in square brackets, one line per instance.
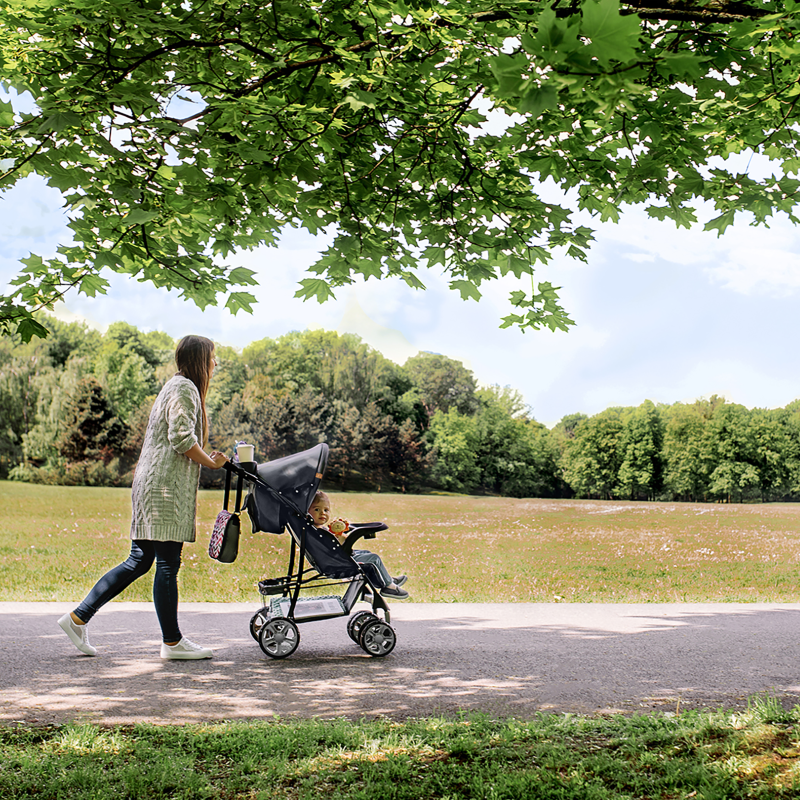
[502, 659]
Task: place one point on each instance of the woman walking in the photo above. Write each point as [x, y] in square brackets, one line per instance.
[164, 499]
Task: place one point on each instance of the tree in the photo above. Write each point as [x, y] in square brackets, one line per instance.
[775, 451]
[734, 453]
[516, 456]
[18, 398]
[126, 364]
[792, 423]
[230, 379]
[340, 366]
[443, 383]
[454, 451]
[687, 458]
[180, 132]
[289, 423]
[347, 443]
[408, 459]
[91, 431]
[55, 389]
[640, 472]
[380, 442]
[592, 459]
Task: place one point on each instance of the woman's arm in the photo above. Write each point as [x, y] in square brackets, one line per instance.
[213, 461]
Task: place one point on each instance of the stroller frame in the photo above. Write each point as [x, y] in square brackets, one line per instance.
[316, 560]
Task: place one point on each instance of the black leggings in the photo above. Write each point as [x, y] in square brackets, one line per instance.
[167, 556]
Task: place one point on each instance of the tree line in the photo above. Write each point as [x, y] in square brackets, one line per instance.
[74, 410]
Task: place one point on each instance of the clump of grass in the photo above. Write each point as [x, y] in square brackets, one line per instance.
[696, 754]
[56, 541]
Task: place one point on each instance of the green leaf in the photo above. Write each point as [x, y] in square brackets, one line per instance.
[555, 38]
[34, 264]
[29, 327]
[241, 276]
[92, 285]
[6, 114]
[507, 70]
[138, 216]
[691, 183]
[538, 100]
[614, 37]
[58, 121]
[720, 223]
[314, 287]
[240, 301]
[468, 290]
[358, 99]
[658, 212]
[681, 65]
[105, 258]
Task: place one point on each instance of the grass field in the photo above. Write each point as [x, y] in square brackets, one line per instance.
[56, 541]
[752, 754]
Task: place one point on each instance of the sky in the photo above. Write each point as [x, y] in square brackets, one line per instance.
[661, 313]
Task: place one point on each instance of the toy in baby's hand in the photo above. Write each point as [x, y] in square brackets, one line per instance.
[339, 526]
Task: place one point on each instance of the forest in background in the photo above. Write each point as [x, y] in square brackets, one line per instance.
[74, 409]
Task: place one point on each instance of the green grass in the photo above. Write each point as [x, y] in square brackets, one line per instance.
[752, 754]
[56, 541]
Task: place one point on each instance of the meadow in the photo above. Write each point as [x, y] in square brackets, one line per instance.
[56, 541]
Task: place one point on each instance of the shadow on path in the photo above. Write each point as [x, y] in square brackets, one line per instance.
[515, 659]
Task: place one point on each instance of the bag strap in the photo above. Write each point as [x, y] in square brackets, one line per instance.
[239, 483]
[228, 490]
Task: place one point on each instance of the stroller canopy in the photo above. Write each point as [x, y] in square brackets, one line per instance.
[295, 478]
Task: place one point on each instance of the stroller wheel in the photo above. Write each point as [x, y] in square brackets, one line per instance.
[279, 637]
[257, 621]
[356, 623]
[377, 638]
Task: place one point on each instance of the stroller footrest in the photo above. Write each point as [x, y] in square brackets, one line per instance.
[273, 586]
[317, 607]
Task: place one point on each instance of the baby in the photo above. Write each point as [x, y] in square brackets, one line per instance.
[320, 512]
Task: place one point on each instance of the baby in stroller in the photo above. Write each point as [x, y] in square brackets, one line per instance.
[320, 513]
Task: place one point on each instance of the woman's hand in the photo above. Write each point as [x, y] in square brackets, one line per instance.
[213, 461]
[218, 458]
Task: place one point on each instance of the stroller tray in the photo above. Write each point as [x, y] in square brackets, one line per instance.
[317, 607]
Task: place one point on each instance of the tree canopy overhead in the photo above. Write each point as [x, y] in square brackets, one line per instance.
[178, 133]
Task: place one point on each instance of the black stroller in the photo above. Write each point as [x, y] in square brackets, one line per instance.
[280, 494]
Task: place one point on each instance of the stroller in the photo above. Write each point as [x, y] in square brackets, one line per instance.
[280, 492]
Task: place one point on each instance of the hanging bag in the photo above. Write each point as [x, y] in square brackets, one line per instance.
[224, 543]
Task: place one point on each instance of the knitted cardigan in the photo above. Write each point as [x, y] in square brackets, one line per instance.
[164, 491]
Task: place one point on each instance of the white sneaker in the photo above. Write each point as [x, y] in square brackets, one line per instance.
[78, 634]
[185, 650]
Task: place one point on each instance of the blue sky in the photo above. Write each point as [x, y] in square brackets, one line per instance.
[662, 314]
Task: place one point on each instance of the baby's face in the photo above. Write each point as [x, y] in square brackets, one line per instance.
[320, 512]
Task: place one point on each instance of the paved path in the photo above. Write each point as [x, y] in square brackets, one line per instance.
[516, 659]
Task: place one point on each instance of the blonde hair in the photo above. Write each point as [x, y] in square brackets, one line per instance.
[321, 496]
[193, 359]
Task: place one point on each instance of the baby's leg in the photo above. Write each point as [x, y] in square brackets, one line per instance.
[366, 557]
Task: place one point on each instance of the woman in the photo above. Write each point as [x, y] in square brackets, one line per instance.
[164, 498]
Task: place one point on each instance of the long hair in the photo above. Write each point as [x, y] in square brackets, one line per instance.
[193, 359]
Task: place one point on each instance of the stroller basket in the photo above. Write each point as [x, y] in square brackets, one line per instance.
[282, 493]
[308, 607]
